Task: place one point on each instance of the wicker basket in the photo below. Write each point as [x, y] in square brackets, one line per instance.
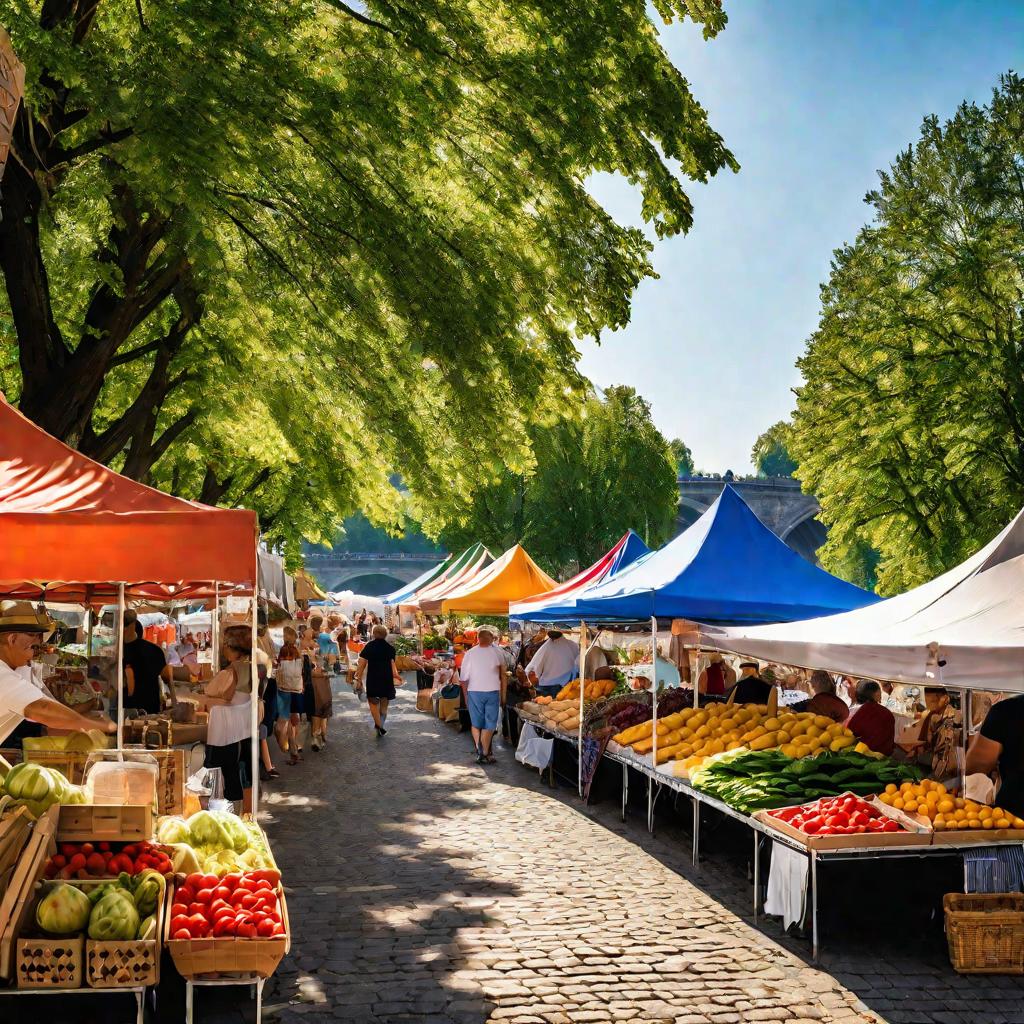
[49, 962]
[985, 932]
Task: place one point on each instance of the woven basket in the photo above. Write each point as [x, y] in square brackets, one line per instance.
[49, 962]
[985, 932]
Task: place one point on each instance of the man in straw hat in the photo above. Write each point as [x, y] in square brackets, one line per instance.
[22, 633]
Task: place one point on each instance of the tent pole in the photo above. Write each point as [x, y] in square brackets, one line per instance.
[88, 638]
[965, 729]
[120, 669]
[254, 697]
[579, 736]
[696, 679]
[654, 723]
[215, 628]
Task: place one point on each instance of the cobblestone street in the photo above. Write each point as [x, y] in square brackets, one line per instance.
[425, 888]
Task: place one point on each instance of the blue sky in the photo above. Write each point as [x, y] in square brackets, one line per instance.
[813, 96]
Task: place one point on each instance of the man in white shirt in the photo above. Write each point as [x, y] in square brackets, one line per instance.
[555, 664]
[22, 632]
[483, 677]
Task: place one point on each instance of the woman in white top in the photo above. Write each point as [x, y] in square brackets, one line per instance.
[227, 697]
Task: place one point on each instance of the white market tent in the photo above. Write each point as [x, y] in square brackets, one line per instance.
[964, 629]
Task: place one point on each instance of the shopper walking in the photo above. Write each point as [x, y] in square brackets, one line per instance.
[377, 665]
[289, 695]
[484, 680]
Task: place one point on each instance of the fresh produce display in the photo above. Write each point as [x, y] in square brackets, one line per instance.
[38, 788]
[64, 910]
[562, 714]
[692, 735]
[632, 711]
[218, 842]
[944, 810]
[593, 689]
[242, 905]
[107, 860]
[752, 780]
[838, 816]
[119, 910]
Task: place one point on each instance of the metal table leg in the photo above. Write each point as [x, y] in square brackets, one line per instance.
[189, 995]
[696, 832]
[814, 906]
[139, 1012]
[259, 1001]
[757, 871]
[625, 789]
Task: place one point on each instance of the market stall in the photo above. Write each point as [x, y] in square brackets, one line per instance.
[463, 569]
[76, 531]
[492, 590]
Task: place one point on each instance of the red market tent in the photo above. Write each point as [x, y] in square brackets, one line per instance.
[74, 529]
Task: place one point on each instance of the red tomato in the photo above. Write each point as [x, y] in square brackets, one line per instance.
[859, 818]
[105, 847]
[262, 883]
[77, 862]
[179, 921]
[249, 902]
[195, 881]
[59, 860]
[197, 908]
[890, 826]
[238, 895]
[247, 883]
[875, 825]
[265, 928]
[198, 925]
[278, 930]
[223, 927]
[204, 896]
[182, 933]
[210, 882]
[178, 907]
[87, 848]
[246, 931]
[812, 827]
[231, 880]
[222, 892]
[69, 849]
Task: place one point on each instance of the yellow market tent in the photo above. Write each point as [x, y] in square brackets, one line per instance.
[511, 578]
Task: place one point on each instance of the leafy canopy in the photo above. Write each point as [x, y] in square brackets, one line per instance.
[770, 453]
[910, 424]
[600, 471]
[268, 253]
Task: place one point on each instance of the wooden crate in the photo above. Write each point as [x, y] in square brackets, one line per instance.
[865, 840]
[49, 962]
[170, 787]
[128, 823]
[125, 962]
[17, 900]
[981, 836]
[15, 830]
[200, 958]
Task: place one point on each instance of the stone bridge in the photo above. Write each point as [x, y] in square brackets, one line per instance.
[367, 572]
[778, 502]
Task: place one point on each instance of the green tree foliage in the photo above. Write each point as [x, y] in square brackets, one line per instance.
[910, 424]
[359, 534]
[598, 474]
[268, 252]
[770, 453]
[682, 455]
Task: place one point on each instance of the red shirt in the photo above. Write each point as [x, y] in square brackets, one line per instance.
[876, 726]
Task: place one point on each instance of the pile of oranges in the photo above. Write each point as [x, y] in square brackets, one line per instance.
[945, 811]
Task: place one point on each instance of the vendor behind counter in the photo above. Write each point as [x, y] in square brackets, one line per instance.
[23, 631]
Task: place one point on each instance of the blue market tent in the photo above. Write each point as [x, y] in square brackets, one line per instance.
[625, 552]
[727, 568]
[408, 592]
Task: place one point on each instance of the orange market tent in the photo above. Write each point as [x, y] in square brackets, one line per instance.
[466, 567]
[74, 529]
[514, 576]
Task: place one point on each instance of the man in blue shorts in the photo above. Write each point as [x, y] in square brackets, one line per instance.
[483, 676]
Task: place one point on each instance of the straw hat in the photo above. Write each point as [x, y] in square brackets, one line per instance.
[22, 617]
